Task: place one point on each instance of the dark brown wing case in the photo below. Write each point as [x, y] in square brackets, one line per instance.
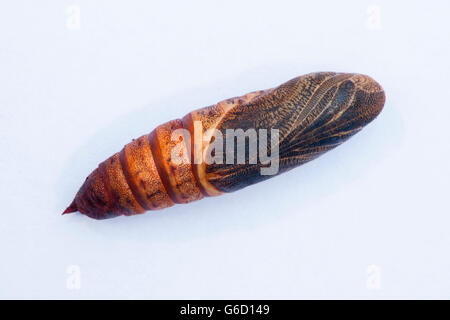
[314, 113]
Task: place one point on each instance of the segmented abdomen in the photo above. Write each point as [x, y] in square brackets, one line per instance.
[139, 178]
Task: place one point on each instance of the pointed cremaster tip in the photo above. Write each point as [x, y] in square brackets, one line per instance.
[71, 208]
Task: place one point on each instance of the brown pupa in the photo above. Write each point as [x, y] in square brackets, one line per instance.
[305, 116]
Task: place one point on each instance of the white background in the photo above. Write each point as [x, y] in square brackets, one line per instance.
[369, 219]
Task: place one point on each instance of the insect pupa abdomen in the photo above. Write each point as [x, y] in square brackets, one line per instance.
[300, 120]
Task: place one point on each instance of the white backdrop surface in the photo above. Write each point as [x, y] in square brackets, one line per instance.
[79, 79]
